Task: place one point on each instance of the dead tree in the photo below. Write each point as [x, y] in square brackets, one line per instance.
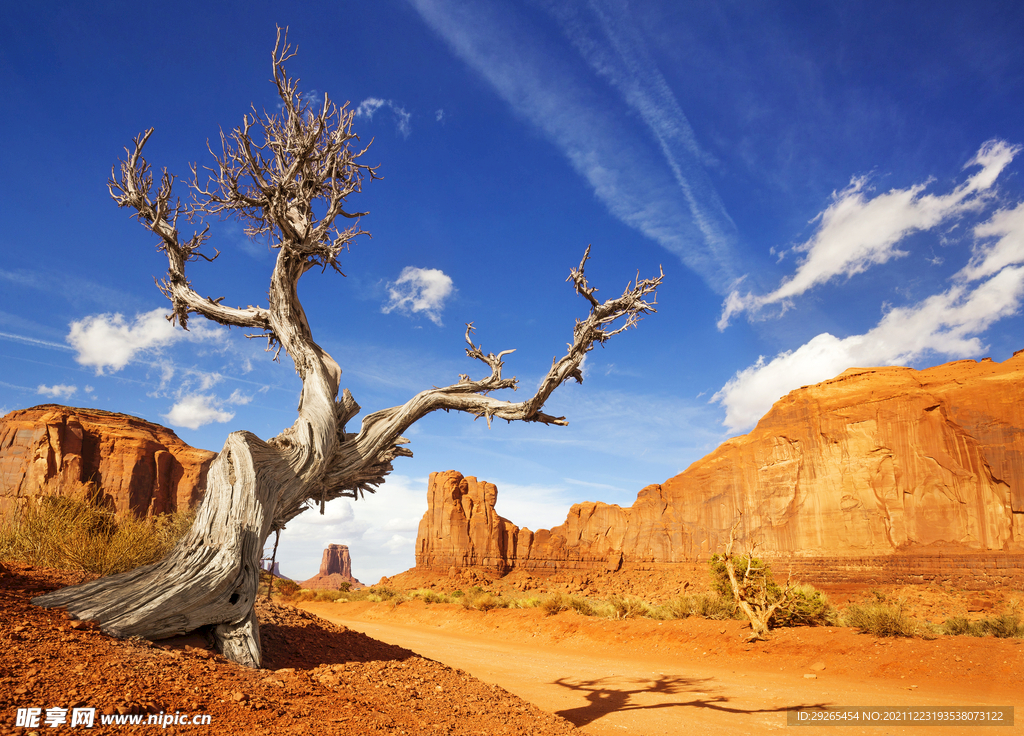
[287, 177]
[753, 589]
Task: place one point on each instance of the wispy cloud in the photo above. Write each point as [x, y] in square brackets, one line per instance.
[419, 290]
[989, 288]
[403, 119]
[33, 341]
[858, 231]
[664, 191]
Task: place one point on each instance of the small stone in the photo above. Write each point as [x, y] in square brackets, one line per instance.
[810, 677]
[818, 666]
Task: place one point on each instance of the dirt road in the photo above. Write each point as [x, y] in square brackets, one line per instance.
[694, 676]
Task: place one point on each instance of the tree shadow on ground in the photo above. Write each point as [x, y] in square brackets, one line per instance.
[613, 694]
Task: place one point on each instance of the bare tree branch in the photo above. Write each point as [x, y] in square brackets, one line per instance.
[160, 215]
[286, 175]
[378, 441]
[273, 168]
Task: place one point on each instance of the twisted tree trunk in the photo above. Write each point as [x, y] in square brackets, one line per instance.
[254, 487]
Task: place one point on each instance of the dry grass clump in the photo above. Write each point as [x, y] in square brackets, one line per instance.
[701, 605]
[78, 534]
[884, 619]
[1005, 626]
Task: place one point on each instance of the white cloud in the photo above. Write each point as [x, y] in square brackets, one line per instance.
[58, 391]
[1007, 226]
[439, 115]
[197, 410]
[369, 107]
[857, 231]
[662, 190]
[419, 290]
[398, 544]
[110, 341]
[380, 531]
[238, 398]
[946, 324]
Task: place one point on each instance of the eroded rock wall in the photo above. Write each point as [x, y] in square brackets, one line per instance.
[135, 464]
[873, 462]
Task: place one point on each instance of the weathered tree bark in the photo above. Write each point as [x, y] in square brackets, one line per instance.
[751, 591]
[254, 487]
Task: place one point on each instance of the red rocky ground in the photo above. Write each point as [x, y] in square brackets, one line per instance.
[320, 678]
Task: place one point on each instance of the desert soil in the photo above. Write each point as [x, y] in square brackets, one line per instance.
[696, 676]
[502, 672]
[320, 678]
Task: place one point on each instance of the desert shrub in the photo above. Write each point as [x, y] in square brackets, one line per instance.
[582, 606]
[327, 594]
[78, 534]
[558, 602]
[345, 586]
[962, 626]
[1006, 626]
[555, 604]
[287, 589]
[702, 605]
[882, 619]
[488, 602]
[531, 602]
[456, 594]
[429, 596]
[794, 605]
[383, 593]
[629, 607]
[805, 607]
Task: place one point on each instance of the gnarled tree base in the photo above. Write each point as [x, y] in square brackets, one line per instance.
[209, 578]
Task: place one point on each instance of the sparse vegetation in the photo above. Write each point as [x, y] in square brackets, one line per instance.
[749, 582]
[1006, 626]
[884, 619]
[78, 533]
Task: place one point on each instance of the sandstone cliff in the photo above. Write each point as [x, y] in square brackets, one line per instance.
[872, 462]
[335, 569]
[136, 465]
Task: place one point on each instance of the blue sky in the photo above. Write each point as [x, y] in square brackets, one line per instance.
[826, 185]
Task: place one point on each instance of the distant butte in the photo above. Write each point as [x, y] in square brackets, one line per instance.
[875, 462]
[335, 569]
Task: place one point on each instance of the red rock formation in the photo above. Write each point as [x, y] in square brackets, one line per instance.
[872, 462]
[335, 569]
[136, 465]
[461, 528]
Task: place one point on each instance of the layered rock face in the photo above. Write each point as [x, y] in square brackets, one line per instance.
[335, 569]
[135, 465]
[461, 527]
[873, 462]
